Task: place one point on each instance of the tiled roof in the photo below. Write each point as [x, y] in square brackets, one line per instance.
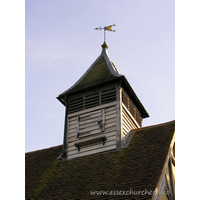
[136, 168]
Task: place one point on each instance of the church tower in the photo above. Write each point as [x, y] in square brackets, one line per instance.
[101, 108]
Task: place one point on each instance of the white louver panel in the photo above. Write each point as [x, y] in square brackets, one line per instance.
[90, 123]
[131, 108]
[127, 121]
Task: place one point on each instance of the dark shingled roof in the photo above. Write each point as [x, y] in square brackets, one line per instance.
[98, 74]
[138, 167]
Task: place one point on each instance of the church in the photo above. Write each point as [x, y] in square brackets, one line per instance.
[106, 153]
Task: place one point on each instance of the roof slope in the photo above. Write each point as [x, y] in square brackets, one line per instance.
[101, 71]
[138, 167]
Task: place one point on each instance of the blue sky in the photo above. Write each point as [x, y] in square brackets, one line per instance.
[61, 44]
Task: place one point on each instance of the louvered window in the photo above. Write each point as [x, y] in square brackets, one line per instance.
[131, 107]
[76, 104]
[108, 96]
[90, 123]
[92, 100]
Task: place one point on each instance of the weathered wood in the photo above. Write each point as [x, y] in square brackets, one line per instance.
[92, 96]
[130, 105]
[71, 144]
[113, 128]
[101, 149]
[90, 141]
[90, 129]
[110, 112]
[124, 107]
[94, 116]
[92, 109]
[129, 122]
[111, 116]
[110, 140]
[111, 124]
[126, 125]
[99, 145]
[125, 129]
[108, 121]
[72, 131]
[130, 125]
[77, 125]
[109, 90]
[91, 113]
[103, 120]
[72, 126]
[118, 116]
[65, 137]
[87, 121]
[109, 130]
[88, 125]
[109, 133]
[90, 92]
[110, 108]
[110, 136]
[127, 118]
[72, 119]
[90, 121]
[124, 133]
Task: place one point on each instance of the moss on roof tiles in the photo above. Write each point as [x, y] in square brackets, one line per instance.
[138, 167]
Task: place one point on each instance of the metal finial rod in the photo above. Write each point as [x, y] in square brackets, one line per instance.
[104, 35]
[106, 28]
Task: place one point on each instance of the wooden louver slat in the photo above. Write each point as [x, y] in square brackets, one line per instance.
[92, 100]
[76, 105]
[132, 108]
[108, 96]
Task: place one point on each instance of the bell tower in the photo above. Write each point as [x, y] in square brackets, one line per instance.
[100, 109]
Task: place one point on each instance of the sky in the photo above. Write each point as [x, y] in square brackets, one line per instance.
[61, 44]
[47, 45]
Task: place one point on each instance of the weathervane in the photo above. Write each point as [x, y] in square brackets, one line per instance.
[106, 28]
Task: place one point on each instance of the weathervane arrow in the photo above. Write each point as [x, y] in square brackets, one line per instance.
[106, 28]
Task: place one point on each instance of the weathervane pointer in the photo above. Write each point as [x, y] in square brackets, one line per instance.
[106, 28]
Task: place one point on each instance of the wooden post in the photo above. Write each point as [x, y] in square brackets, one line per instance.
[65, 139]
[119, 118]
